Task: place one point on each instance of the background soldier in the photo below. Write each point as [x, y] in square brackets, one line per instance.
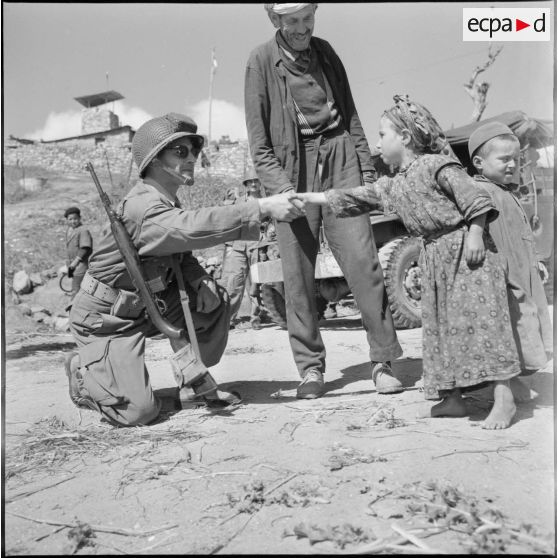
[238, 256]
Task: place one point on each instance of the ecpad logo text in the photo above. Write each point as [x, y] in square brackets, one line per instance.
[506, 24]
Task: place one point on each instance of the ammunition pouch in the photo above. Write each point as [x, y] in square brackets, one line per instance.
[190, 372]
[158, 272]
[128, 304]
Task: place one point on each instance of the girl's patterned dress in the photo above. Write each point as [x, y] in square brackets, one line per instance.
[467, 335]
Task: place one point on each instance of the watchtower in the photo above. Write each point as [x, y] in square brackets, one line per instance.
[93, 117]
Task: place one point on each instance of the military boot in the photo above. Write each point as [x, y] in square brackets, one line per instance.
[75, 381]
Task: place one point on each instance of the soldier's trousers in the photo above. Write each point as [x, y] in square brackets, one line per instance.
[330, 161]
[236, 276]
[112, 349]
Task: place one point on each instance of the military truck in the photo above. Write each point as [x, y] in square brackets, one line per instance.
[399, 253]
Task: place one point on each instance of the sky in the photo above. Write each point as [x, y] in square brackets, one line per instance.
[158, 57]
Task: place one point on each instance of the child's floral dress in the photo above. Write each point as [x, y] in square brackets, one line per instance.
[467, 336]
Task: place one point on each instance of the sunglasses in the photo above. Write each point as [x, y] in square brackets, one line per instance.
[182, 151]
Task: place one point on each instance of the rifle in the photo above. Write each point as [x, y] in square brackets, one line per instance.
[133, 265]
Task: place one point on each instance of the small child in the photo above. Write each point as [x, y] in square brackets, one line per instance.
[467, 334]
[79, 246]
[494, 151]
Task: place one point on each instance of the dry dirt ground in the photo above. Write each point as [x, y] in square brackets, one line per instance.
[352, 472]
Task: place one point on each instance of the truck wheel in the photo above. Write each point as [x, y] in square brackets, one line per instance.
[273, 298]
[399, 260]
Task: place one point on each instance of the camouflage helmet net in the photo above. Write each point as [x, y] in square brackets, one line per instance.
[157, 133]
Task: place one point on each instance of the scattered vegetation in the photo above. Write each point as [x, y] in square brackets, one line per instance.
[251, 500]
[50, 443]
[483, 528]
[340, 535]
[79, 536]
[345, 457]
[251, 350]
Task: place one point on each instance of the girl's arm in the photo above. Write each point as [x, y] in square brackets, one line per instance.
[471, 200]
[316, 198]
[474, 243]
[350, 202]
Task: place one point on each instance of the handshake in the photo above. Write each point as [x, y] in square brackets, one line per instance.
[289, 206]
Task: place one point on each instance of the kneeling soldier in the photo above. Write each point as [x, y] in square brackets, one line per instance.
[108, 318]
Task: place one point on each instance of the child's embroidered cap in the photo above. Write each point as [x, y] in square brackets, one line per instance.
[487, 132]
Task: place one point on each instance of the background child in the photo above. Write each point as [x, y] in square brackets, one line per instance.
[467, 335]
[79, 246]
[494, 151]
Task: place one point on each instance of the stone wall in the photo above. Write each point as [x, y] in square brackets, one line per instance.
[230, 160]
[70, 157]
[98, 120]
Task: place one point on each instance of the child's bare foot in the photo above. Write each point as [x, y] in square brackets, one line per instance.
[503, 409]
[521, 392]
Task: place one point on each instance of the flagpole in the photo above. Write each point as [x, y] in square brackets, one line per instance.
[211, 74]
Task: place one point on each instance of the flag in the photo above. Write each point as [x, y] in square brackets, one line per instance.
[213, 62]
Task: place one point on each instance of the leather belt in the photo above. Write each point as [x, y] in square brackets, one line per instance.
[97, 289]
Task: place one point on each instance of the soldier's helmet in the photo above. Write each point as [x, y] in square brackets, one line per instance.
[252, 183]
[230, 196]
[157, 133]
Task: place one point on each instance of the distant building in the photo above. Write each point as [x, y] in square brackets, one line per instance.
[99, 125]
[116, 136]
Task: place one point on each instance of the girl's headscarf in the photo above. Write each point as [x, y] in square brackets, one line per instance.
[426, 134]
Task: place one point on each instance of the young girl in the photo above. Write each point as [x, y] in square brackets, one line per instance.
[467, 336]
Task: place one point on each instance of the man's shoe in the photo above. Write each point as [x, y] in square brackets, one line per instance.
[330, 312]
[383, 378]
[71, 364]
[312, 385]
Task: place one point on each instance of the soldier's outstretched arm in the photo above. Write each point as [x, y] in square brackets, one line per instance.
[167, 230]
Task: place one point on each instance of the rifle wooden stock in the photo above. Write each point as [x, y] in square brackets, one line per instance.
[132, 262]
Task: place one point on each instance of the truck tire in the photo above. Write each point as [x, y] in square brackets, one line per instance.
[273, 298]
[399, 260]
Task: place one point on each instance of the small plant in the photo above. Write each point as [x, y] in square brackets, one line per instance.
[302, 495]
[251, 500]
[79, 536]
[340, 535]
[345, 457]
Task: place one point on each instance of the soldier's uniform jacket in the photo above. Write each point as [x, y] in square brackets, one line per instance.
[160, 228]
[77, 239]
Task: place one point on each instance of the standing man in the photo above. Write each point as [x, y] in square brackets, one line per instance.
[79, 246]
[238, 257]
[108, 318]
[305, 136]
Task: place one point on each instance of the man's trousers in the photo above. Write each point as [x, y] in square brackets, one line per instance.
[331, 162]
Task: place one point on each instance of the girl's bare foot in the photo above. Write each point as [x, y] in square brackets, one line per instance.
[521, 392]
[503, 409]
